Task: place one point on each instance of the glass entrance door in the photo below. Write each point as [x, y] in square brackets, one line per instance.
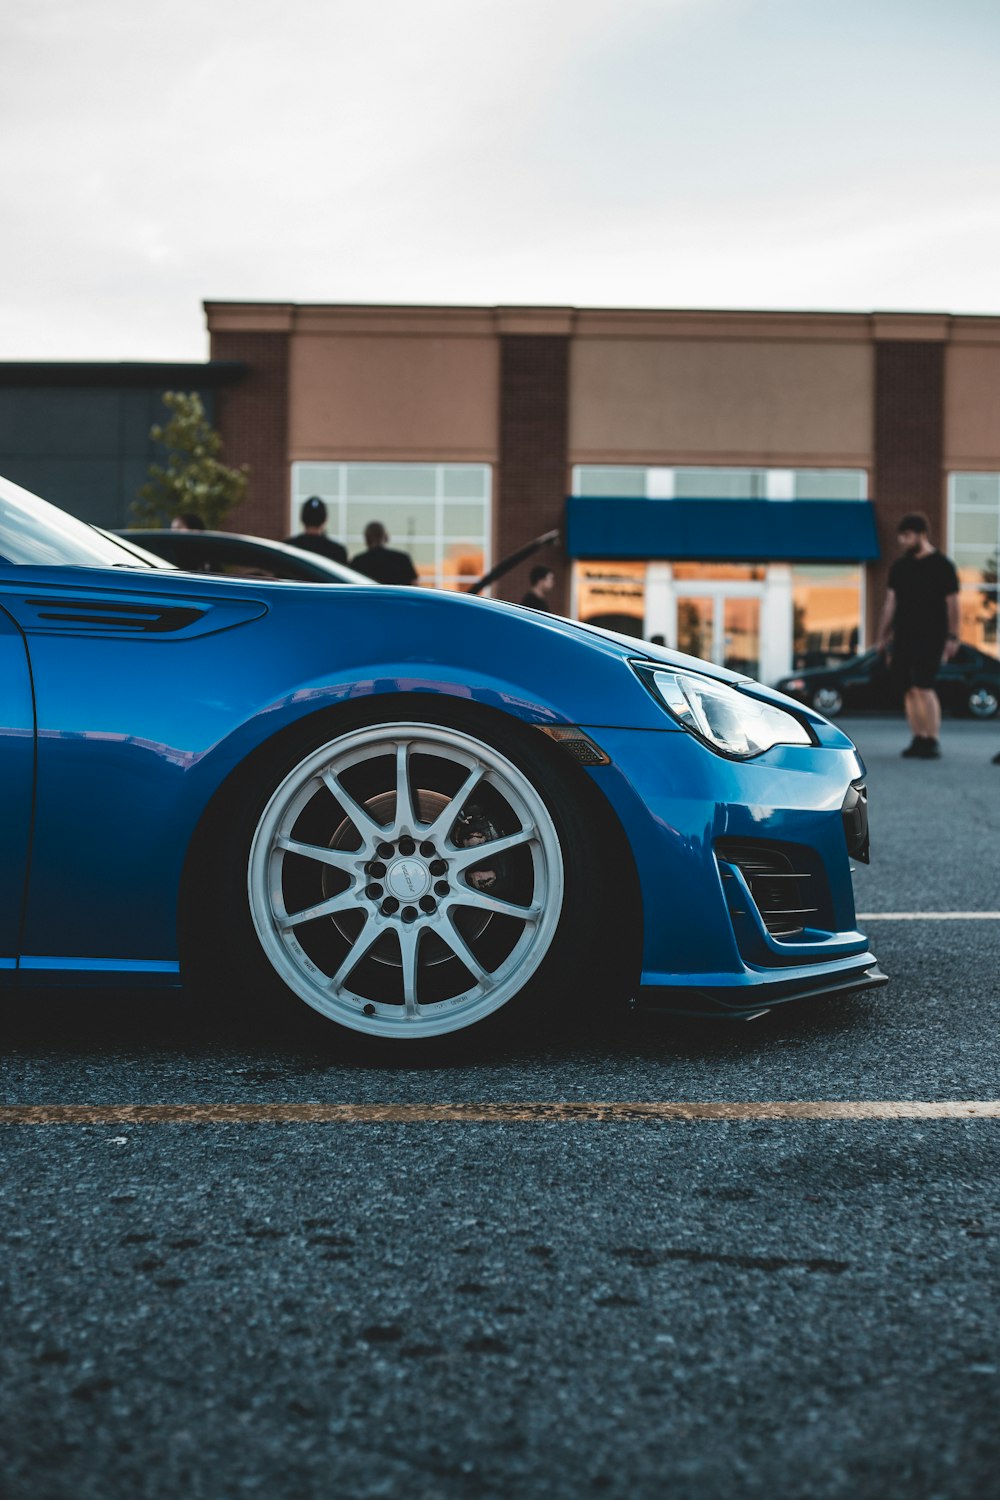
[695, 634]
[721, 625]
[741, 635]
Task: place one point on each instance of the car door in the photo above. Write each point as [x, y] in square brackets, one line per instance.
[122, 711]
[860, 681]
[17, 780]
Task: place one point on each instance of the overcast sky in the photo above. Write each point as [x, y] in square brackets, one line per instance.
[839, 154]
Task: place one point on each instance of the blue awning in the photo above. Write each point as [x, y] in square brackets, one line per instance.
[722, 530]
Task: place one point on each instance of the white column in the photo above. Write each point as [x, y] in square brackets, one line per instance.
[660, 601]
[776, 623]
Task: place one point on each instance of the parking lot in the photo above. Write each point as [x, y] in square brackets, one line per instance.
[531, 1302]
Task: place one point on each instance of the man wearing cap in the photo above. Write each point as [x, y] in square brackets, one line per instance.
[313, 537]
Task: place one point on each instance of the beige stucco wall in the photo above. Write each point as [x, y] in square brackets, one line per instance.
[721, 400]
[393, 396]
[972, 406]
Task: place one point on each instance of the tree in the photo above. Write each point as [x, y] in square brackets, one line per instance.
[194, 479]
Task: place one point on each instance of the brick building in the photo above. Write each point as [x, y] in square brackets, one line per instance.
[730, 481]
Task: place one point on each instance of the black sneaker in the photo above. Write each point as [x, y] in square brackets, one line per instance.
[915, 749]
[929, 750]
[996, 759]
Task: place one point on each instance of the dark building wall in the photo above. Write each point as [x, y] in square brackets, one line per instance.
[253, 421]
[79, 436]
[909, 449]
[534, 414]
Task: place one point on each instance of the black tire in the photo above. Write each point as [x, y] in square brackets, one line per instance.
[585, 956]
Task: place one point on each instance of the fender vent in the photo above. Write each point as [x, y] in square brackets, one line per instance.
[107, 614]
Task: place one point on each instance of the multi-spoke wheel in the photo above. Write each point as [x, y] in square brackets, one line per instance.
[408, 879]
[827, 700]
[983, 700]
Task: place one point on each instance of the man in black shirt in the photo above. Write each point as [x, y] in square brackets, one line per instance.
[542, 581]
[380, 562]
[313, 537]
[919, 629]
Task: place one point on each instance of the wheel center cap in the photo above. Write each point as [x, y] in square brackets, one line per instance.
[408, 879]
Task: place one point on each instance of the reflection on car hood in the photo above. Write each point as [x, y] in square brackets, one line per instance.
[654, 653]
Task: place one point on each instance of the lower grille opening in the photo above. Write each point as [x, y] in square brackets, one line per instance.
[788, 897]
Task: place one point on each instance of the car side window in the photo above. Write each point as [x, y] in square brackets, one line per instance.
[233, 567]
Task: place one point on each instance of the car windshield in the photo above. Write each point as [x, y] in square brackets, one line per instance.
[33, 531]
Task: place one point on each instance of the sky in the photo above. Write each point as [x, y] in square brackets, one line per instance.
[813, 154]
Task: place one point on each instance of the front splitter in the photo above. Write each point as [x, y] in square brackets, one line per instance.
[743, 1004]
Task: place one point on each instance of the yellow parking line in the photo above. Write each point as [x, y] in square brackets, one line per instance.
[612, 1112]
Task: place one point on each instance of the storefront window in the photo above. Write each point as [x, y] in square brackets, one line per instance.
[974, 544]
[605, 481]
[612, 594]
[439, 513]
[826, 614]
[720, 484]
[829, 484]
[717, 482]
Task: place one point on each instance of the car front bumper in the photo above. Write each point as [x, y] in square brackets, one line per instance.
[744, 869]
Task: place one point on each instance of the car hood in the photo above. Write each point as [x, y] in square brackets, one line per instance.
[628, 645]
[276, 592]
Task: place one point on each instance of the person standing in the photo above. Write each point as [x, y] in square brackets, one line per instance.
[541, 581]
[380, 562]
[313, 537]
[919, 629]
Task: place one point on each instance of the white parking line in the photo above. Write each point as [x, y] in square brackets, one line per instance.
[929, 916]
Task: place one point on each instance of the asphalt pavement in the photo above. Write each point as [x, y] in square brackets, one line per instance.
[693, 1308]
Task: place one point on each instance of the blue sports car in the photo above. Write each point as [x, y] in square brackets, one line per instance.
[417, 812]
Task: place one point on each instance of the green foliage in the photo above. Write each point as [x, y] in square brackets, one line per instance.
[193, 478]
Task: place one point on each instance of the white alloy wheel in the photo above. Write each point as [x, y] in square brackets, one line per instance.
[983, 701]
[406, 880]
[827, 700]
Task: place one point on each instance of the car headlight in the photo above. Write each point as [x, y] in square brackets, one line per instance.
[727, 720]
[794, 685]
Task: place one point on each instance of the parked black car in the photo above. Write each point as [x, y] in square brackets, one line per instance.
[240, 556]
[968, 684]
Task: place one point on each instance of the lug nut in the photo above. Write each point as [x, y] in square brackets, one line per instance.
[427, 850]
[389, 906]
[407, 846]
[384, 851]
[428, 904]
[441, 889]
[373, 892]
[438, 867]
[376, 869]
[409, 913]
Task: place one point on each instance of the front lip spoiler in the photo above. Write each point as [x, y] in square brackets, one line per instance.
[743, 1004]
